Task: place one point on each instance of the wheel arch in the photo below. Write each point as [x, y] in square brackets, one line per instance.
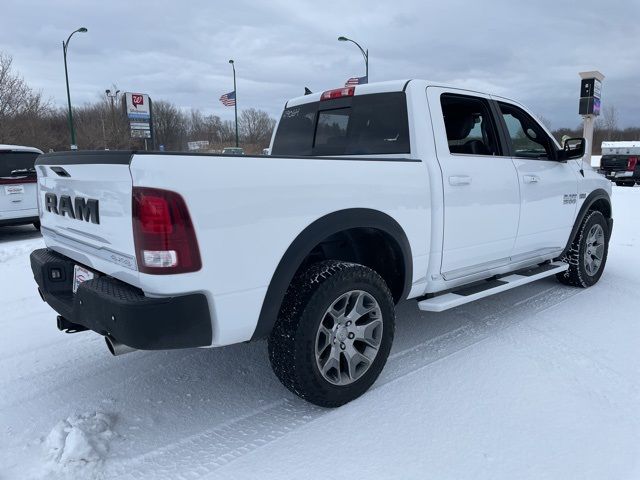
[315, 234]
[597, 200]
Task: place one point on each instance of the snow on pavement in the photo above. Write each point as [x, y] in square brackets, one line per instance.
[540, 382]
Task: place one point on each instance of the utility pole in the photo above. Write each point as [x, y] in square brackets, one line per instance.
[113, 96]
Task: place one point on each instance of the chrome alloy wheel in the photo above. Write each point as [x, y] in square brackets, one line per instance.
[348, 338]
[594, 251]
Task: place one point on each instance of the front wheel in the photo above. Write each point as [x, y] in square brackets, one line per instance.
[334, 333]
[588, 253]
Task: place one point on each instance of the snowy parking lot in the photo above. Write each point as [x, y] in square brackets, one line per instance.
[541, 382]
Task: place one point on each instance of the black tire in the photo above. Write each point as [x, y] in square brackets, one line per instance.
[37, 225]
[577, 275]
[292, 343]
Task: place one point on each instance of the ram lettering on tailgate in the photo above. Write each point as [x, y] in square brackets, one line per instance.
[79, 208]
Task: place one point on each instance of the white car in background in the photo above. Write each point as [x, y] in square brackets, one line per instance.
[18, 198]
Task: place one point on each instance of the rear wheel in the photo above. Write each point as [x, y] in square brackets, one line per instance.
[588, 253]
[333, 334]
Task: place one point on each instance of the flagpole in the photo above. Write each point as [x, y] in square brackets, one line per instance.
[235, 104]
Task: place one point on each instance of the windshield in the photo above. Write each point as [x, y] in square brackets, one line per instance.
[10, 161]
[360, 125]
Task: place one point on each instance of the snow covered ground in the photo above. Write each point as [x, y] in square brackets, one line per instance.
[542, 382]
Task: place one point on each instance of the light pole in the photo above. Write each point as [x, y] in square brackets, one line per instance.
[65, 45]
[235, 103]
[365, 54]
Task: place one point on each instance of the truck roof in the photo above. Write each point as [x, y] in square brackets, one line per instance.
[380, 87]
[376, 87]
[631, 144]
[18, 148]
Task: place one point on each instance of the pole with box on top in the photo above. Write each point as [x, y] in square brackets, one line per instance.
[590, 92]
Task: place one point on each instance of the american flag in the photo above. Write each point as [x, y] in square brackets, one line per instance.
[228, 99]
[356, 81]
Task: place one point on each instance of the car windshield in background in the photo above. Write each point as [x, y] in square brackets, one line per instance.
[360, 125]
[10, 161]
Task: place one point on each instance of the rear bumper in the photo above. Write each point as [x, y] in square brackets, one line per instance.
[621, 175]
[111, 307]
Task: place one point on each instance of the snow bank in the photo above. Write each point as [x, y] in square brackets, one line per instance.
[79, 441]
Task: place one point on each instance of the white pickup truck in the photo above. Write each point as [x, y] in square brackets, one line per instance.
[371, 195]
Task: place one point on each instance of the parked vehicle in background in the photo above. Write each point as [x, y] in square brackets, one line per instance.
[372, 194]
[619, 162]
[18, 196]
[233, 151]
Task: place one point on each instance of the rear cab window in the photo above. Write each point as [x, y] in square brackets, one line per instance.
[18, 162]
[360, 125]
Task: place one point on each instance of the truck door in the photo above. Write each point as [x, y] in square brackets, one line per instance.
[548, 187]
[480, 183]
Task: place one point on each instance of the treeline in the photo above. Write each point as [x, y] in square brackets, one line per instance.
[606, 129]
[26, 118]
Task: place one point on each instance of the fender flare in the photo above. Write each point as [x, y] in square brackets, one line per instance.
[311, 236]
[598, 194]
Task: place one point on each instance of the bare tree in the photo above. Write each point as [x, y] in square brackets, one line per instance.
[609, 122]
[256, 127]
[545, 121]
[169, 125]
[27, 119]
[21, 108]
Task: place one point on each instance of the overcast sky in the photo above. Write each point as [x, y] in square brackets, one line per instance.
[178, 50]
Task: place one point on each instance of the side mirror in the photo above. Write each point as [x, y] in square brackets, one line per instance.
[573, 148]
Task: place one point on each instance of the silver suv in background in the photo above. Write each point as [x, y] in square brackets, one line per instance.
[18, 199]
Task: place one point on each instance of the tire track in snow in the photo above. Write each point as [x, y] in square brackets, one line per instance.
[201, 454]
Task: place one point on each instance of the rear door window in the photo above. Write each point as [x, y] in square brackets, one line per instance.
[469, 126]
[11, 161]
[360, 125]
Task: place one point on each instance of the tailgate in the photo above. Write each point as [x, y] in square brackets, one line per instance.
[614, 163]
[85, 201]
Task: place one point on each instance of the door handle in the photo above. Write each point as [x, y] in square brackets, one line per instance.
[456, 180]
[531, 178]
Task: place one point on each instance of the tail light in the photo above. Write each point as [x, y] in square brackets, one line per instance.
[165, 240]
[631, 164]
[338, 93]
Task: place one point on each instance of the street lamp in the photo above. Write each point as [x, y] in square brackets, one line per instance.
[65, 46]
[235, 102]
[113, 96]
[365, 54]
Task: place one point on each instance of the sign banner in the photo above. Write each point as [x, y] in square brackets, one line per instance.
[137, 133]
[140, 125]
[198, 144]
